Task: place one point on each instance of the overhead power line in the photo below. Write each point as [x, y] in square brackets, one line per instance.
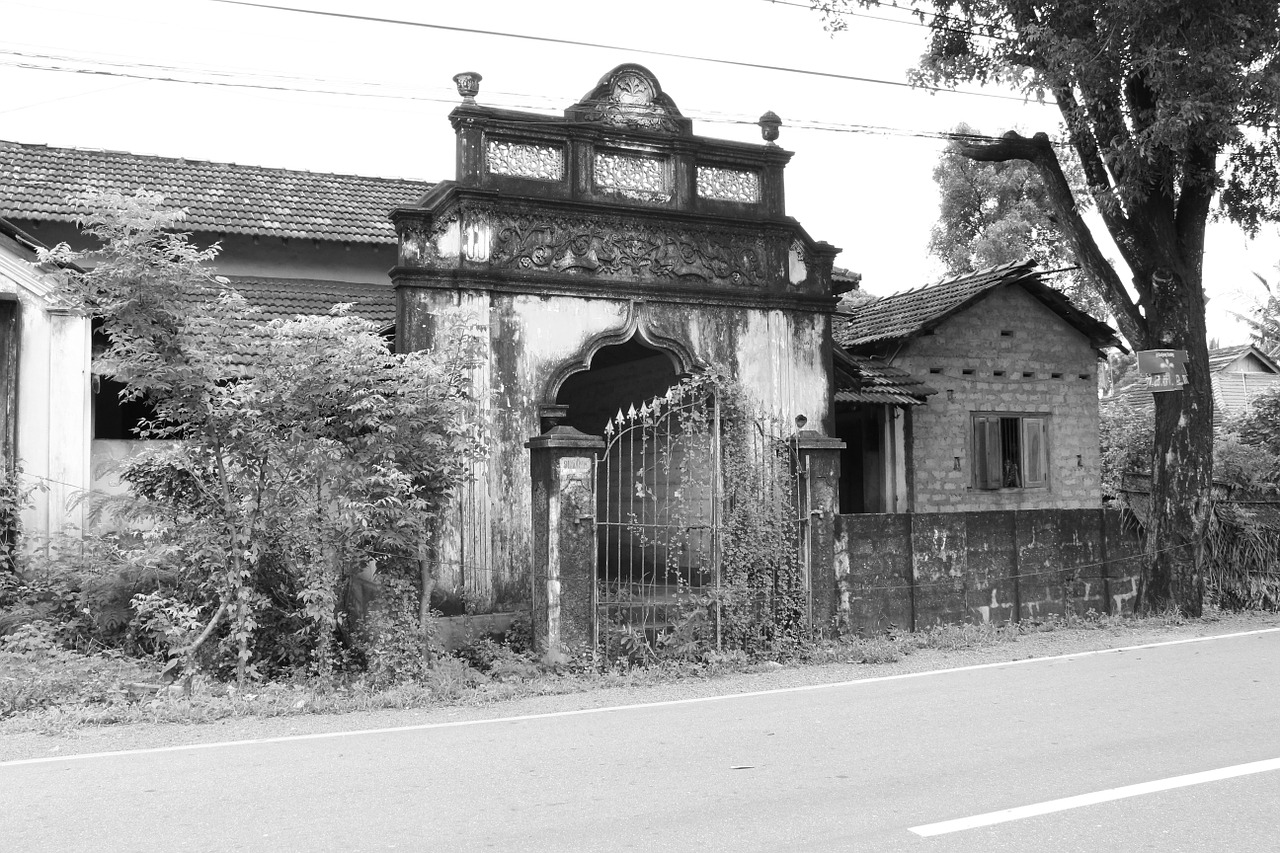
[648, 51]
[318, 86]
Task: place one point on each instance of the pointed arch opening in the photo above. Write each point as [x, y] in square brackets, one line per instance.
[618, 377]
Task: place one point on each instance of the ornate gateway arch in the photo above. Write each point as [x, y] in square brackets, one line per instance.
[596, 256]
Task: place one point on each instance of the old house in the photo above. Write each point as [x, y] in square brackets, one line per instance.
[994, 425]
[291, 242]
[596, 258]
[1237, 375]
[43, 346]
[1014, 424]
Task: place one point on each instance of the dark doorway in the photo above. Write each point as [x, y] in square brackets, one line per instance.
[620, 376]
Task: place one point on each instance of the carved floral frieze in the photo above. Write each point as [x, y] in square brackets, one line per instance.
[617, 247]
[631, 101]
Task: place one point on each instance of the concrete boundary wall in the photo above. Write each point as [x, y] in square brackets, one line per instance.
[912, 570]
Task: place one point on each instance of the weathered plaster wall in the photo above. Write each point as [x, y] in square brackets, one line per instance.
[913, 570]
[526, 340]
[54, 406]
[1007, 353]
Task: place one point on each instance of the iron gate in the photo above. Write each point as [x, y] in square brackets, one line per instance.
[682, 482]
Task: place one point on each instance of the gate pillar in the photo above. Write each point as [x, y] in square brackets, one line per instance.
[562, 462]
[819, 458]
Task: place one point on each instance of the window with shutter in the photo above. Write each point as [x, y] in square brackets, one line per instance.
[1010, 451]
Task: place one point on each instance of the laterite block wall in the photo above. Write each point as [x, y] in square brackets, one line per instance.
[913, 570]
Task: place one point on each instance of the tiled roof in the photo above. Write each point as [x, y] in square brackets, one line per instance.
[1224, 357]
[36, 182]
[286, 297]
[283, 298]
[912, 312]
[859, 379]
[1232, 391]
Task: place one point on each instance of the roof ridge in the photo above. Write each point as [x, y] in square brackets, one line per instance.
[196, 161]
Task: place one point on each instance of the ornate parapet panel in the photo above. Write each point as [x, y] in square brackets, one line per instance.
[619, 189]
[636, 177]
[525, 160]
[720, 184]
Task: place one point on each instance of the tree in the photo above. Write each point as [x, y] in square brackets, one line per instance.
[1168, 105]
[279, 480]
[1263, 319]
[995, 213]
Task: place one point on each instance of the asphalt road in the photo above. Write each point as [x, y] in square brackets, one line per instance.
[845, 767]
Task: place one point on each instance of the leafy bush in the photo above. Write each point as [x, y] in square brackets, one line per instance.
[36, 671]
[272, 485]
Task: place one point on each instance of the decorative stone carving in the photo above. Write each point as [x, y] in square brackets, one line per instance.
[422, 244]
[797, 263]
[617, 247]
[770, 124]
[629, 97]
[728, 184]
[642, 178]
[468, 83]
[525, 160]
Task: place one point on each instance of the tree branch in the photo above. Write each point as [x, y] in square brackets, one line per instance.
[1039, 152]
[1194, 201]
[1099, 181]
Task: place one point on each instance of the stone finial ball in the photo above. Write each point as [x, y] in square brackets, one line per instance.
[769, 126]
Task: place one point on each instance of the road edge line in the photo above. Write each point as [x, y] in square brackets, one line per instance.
[521, 718]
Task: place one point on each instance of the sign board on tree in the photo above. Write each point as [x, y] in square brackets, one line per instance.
[1165, 369]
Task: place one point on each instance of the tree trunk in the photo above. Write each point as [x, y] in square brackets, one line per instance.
[1182, 455]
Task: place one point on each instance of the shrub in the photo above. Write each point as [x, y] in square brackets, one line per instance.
[36, 671]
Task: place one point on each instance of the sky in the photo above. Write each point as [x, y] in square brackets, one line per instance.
[331, 94]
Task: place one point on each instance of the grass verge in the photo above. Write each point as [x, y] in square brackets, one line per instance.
[50, 690]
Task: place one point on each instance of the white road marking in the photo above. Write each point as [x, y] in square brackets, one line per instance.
[1050, 806]
[639, 706]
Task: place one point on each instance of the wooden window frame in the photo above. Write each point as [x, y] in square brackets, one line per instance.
[1020, 460]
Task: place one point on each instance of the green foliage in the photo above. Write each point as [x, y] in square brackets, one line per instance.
[1126, 435]
[758, 604]
[15, 496]
[1259, 425]
[996, 213]
[38, 671]
[1169, 107]
[270, 486]
[1241, 556]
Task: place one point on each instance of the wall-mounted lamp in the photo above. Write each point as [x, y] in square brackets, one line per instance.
[801, 420]
[951, 395]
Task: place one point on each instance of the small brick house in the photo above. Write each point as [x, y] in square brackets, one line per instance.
[1014, 422]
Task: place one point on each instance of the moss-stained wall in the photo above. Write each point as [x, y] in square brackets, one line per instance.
[914, 570]
[1008, 353]
[527, 341]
